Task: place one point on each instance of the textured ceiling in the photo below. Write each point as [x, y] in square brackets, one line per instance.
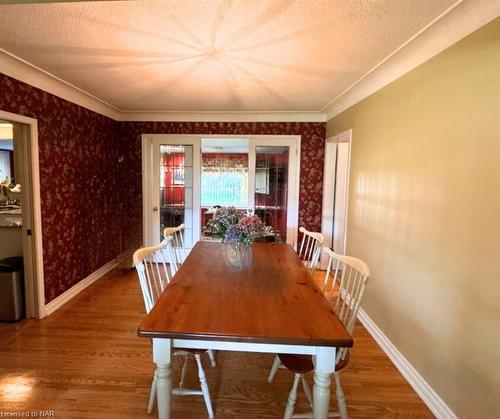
[224, 145]
[197, 55]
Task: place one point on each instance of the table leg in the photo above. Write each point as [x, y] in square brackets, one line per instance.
[162, 358]
[324, 366]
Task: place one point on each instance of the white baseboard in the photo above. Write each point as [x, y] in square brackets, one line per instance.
[436, 405]
[79, 287]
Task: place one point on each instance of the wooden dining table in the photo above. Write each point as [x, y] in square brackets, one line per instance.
[259, 299]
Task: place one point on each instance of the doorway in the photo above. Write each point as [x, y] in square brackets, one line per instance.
[20, 213]
[336, 192]
[185, 177]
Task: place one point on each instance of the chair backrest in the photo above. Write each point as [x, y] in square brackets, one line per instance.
[153, 266]
[310, 248]
[344, 285]
[179, 249]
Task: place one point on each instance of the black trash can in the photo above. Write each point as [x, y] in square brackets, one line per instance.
[11, 289]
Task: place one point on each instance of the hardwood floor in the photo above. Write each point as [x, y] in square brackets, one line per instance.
[86, 361]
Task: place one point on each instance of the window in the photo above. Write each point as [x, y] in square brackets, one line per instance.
[5, 169]
[262, 180]
[224, 179]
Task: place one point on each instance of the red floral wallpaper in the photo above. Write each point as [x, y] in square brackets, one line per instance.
[311, 176]
[80, 188]
[91, 196]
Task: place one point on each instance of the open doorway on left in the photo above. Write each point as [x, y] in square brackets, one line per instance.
[19, 293]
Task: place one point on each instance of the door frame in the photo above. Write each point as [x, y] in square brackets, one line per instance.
[327, 218]
[32, 248]
[147, 175]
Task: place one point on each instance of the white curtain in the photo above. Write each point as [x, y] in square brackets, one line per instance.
[4, 165]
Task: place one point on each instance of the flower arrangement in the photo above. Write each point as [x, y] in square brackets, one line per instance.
[236, 228]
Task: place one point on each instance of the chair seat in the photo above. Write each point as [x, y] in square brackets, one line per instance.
[303, 363]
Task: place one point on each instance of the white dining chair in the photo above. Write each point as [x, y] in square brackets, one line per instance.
[310, 248]
[153, 265]
[309, 252]
[343, 285]
[178, 245]
[179, 254]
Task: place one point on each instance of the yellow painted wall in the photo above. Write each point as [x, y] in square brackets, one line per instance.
[424, 212]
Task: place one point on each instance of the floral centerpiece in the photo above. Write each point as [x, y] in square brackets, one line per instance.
[236, 228]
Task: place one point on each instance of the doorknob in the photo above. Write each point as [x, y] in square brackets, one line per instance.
[155, 209]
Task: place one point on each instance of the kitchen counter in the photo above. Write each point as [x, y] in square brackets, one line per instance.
[11, 216]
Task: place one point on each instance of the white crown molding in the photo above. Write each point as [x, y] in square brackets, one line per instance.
[458, 21]
[22, 70]
[224, 116]
[16, 67]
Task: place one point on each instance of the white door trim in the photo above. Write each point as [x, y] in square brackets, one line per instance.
[329, 189]
[147, 167]
[147, 160]
[35, 303]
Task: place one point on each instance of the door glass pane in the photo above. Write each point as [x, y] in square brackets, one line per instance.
[271, 186]
[224, 175]
[224, 180]
[224, 172]
[176, 189]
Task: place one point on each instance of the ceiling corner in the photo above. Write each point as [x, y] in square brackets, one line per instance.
[458, 21]
[21, 70]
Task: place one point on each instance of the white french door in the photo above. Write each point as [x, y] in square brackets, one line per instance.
[274, 183]
[171, 187]
[172, 169]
